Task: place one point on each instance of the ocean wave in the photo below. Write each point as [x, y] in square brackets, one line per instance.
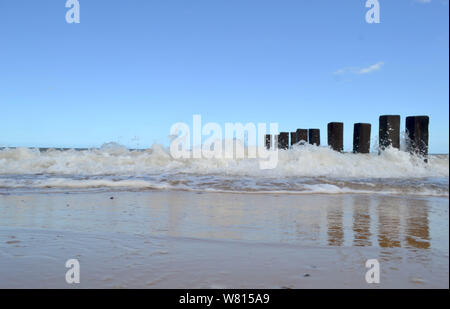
[303, 169]
[300, 161]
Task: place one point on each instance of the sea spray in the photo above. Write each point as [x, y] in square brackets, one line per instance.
[301, 169]
[300, 161]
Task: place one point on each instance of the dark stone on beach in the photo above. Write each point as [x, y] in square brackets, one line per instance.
[361, 137]
[111, 198]
[314, 136]
[306, 275]
[417, 133]
[283, 140]
[336, 136]
[389, 131]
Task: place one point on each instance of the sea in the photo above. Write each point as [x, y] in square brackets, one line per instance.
[303, 169]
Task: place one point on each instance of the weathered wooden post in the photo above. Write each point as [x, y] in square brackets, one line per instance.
[361, 137]
[268, 141]
[302, 135]
[417, 133]
[283, 140]
[293, 138]
[389, 131]
[336, 136]
[314, 136]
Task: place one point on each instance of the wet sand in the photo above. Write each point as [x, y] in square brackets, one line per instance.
[176, 239]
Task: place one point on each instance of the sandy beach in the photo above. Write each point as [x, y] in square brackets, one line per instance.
[180, 239]
[224, 145]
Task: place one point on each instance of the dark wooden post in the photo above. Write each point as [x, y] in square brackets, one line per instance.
[268, 141]
[283, 140]
[417, 133]
[361, 137]
[389, 132]
[314, 136]
[293, 138]
[336, 136]
[302, 135]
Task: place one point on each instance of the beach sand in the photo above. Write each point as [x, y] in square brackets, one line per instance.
[180, 239]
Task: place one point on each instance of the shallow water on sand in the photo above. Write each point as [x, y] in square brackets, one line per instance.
[327, 236]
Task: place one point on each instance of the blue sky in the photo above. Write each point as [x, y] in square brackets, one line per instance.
[130, 69]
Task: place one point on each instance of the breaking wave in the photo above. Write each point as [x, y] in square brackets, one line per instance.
[302, 169]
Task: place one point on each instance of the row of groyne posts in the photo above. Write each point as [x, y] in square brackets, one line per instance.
[389, 135]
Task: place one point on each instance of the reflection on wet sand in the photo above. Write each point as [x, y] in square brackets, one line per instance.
[167, 233]
[418, 233]
[397, 220]
[334, 223]
[333, 220]
[361, 222]
[408, 234]
[324, 220]
[388, 224]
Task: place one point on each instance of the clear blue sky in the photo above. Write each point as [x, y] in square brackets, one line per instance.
[133, 68]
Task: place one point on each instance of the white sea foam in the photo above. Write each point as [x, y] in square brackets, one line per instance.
[308, 161]
[302, 169]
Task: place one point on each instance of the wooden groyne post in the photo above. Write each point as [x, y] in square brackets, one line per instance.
[293, 138]
[417, 133]
[336, 136]
[389, 135]
[283, 140]
[268, 141]
[302, 135]
[314, 137]
[389, 131]
[361, 137]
